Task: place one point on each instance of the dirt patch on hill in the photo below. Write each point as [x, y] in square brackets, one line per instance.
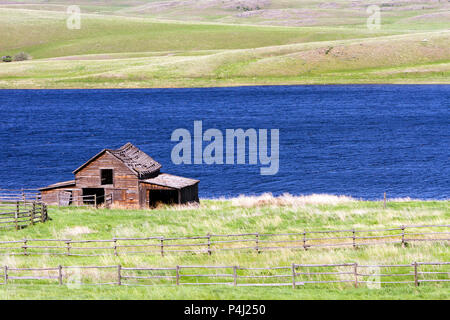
[431, 16]
[87, 57]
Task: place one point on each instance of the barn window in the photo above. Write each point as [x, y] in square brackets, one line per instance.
[107, 176]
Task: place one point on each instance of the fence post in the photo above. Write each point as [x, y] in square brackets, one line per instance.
[24, 247]
[162, 246]
[178, 275]
[235, 275]
[293, 276]
[355, 272]
[384, 201]
[6, 275]
[32, 212]
[257, 242]
[115, 247]
[119, 275]
[354, 239]
[95, 200]
[416, 278]
[304, 241]
[68, 247]
[209, 244]
[57, 199]
[16, 215]
[42, 213]
[60, 276]
[403, 237]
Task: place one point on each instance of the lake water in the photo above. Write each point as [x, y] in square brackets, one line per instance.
[353, 140]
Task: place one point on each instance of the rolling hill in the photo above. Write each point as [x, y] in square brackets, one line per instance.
[215, 43]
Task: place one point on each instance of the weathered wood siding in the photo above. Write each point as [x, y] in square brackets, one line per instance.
[50, 197]
[125, 188]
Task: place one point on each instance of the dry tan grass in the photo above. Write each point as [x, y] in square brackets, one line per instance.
[126, 231]
[119, 206]
[177, 207]
[267, 199]
[76, 231]
[9, 261]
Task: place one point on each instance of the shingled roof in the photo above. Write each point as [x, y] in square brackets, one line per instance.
[171, 181]
[136, 160]
[64, 184]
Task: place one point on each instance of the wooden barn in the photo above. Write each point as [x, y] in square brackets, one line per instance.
[126, 177]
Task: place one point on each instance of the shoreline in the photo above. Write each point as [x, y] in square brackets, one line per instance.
[231, 85]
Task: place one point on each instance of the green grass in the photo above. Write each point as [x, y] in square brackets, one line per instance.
[391, 59]
[222, 217]
[217, 216]
[44, 34]
[410, 13]
[54, 292]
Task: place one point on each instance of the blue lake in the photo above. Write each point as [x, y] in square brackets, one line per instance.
[353, 140]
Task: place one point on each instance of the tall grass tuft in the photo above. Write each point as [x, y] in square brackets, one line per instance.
[288, 200]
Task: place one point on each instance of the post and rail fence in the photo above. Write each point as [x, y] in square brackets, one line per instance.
[62, 199]
[21, 213]
[29, 195]
[212, 243]
[294, 275]
[66, 199]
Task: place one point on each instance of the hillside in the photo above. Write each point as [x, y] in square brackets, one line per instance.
[419, 14]
[134, 44]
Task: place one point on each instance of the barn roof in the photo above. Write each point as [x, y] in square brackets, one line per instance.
[171, 181]
[135, 159]
[70, 183]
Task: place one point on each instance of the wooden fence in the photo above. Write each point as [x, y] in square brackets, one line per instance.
[65, 199]
[315, 275]
[20, 195]
[19, 214]
[62, 198]
[211, 243]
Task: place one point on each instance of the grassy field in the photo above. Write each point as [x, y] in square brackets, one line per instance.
[238, 216]
[260, 12]
[123, 45]
[54, 292]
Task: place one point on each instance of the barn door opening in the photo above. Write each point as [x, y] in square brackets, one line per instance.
[92, 196]
[162, 196]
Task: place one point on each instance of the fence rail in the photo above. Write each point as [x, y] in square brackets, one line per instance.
[78, 201]
[20, 195]
[65, 199]
[62, 198]
[19, 214]
[347, 274]
[212, 243]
